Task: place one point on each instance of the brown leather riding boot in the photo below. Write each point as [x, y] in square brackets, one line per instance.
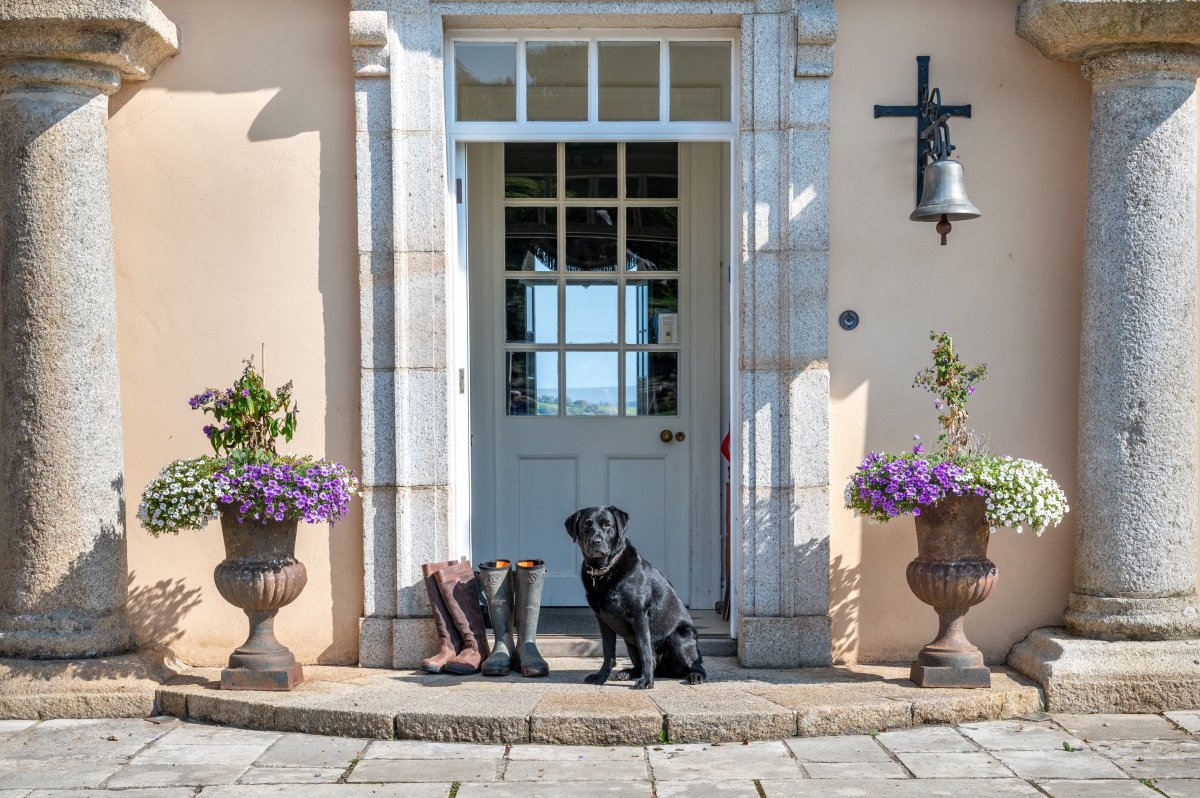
[460, 589]
[450, 641]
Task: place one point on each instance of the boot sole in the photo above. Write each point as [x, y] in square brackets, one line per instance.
[460, 671]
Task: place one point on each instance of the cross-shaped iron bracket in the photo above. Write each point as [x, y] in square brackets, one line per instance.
[930, 114]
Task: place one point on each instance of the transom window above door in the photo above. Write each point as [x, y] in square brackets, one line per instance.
[572, 79]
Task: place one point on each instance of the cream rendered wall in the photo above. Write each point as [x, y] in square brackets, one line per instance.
[1008, 287]
[233, 200]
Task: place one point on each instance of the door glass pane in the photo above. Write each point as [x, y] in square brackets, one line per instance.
[591, 312]
[531, 239]
[591, 239]
[485, 79]
[591, 170]
[652, 239]
[531, 170]
[652, 170]
[651, 383]
[591, 384]
[700, 81]
[531, 311]
[652, 312]
[532, 384]
[628, 81]
[556, 81]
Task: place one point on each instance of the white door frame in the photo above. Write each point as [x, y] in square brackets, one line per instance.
[459, 133]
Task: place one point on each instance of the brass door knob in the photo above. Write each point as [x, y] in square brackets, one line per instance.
[666, 436]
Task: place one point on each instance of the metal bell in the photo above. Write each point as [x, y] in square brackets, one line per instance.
[944, 197]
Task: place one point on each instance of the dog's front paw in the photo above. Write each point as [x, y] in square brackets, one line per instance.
[644, 683]
[695, 678]
[596, 678]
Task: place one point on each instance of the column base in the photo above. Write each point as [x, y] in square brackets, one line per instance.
[55, 637]
[781, 642]
[413, 639]
[1119, 618]
[1083, 675]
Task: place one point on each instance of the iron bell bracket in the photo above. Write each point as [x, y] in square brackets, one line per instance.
[933, 134]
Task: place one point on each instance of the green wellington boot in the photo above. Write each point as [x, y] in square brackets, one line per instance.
[496, 576]
[530, 578]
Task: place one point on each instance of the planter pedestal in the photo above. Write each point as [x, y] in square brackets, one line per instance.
[260, 574]
[952, 574]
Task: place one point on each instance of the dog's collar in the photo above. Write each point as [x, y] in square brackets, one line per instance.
[596, 573]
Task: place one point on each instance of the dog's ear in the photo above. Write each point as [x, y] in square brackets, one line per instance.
[572, 524]
[622, 519]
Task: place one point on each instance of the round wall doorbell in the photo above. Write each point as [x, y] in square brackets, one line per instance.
[848, 319]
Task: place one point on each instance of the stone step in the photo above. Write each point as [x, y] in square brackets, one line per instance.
[736, 704]
[589, 646]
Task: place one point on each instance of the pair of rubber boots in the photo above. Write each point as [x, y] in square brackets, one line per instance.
[454, 596]
[463, 647]
[514, 600]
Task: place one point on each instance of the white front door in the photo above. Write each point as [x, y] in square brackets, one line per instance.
[595, 338]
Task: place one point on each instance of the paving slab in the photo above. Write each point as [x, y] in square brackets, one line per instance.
[90, 739]
[1091, 788]
[1018, 735]
[1119, 727]
[848, 748]
[292, 775]
[627, 789]
[156, 792]
[953, 765]
[1179, 788]
[1009, 696]
[824, 710]
[697, 715]
[169, 754]
[897, 788]
[419, 749]
[706, 789]
[1189, 720]
[926, 738]
[312, 750]
[855, 770]
[159, 775]
[1060, 764]
[208, 734]
[12, 726]
[56, 774]
[756, 760]
[585, 753]
[596, 770]
[604, 717]
[424, 770]
[1159, 749]
[121, 686]
[329, 791]
[1156, 768]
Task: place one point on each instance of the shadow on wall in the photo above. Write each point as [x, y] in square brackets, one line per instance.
[231, 47]
[843, 608]
[156, 611]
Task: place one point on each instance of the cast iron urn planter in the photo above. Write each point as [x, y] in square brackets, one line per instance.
[260, 574]
[952, 574]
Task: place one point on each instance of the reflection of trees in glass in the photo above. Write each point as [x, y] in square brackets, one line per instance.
[652, 239]
[530, 170]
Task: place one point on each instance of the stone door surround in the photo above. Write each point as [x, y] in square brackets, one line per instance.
[406, 228]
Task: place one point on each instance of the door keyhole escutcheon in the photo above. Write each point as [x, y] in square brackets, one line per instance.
[666, 436]
[679, 436]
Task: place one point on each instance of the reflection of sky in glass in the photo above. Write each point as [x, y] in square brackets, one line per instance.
[489, 63]
[591, 313]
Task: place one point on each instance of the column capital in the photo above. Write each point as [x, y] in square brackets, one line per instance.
[1133, 65]
[131, 37]
[1075, 30]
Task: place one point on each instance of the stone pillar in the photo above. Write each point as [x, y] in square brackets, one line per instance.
[783, 597]
[1135, 552]
[63, 571]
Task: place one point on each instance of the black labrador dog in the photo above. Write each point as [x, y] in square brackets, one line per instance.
[632, 598]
